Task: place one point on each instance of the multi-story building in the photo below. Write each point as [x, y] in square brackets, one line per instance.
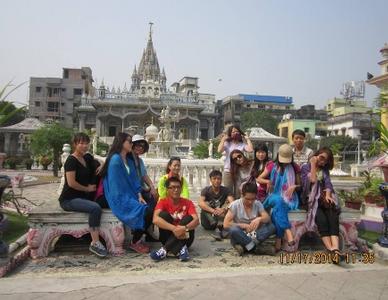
[381, 81]
[134, 110]
[234, 106]
[57, 98]
[353, 125]
[338, 106]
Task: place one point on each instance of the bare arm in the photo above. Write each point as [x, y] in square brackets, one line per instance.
[194, 223]
[313, 172]
[228, 221]
[229, 200]
[203, 205]
[249, 146]
[264, 177]
[220, 148]
[70, 178]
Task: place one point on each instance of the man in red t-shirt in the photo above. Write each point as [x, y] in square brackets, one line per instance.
[176, 218]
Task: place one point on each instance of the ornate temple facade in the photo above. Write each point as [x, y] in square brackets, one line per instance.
[139, 108]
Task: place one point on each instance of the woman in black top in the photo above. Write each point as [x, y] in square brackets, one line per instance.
[79, 188]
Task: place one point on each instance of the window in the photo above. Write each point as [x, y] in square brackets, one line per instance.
[49, 92]
[52, 106]
[112, 130]
[37, 104]
[38, 89]
[77, 92]
[306, 130]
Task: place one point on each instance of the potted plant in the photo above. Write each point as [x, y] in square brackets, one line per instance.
[45, 161]
[351, 199]
[12, 162]
[28, 162]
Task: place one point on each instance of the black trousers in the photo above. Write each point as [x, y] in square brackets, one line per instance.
[210, 222]
[327, 220]
[167, 237]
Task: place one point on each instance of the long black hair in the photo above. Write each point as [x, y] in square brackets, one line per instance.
[116, 147]
[172, 159]
[229, 132]
[258, 167]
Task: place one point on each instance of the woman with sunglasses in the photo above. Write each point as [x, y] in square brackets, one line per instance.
[233, 139]
[122, 190]
[323, 211]
[173, 169]
[240, 170]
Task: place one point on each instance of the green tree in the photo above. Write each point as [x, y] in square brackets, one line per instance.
[259, 118]
[49, 140]
[338, 143]
[9, 114]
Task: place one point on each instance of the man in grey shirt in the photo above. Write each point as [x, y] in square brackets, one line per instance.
[248, 223]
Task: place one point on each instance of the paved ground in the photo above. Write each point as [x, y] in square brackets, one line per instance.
[275, 282]
[215, 271]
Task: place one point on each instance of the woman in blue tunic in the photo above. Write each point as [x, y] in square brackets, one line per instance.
[281, 179]
[122, 190]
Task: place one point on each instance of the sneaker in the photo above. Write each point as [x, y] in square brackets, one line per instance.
[139, 247]
[98, 249]
[184, 254]
[217, 235]
[239, 249]
[158, 255]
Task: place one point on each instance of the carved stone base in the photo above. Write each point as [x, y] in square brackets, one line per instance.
[47, 227]
[349, 219]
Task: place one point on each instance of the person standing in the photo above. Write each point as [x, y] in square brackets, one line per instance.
[234, 138]
[302, 153]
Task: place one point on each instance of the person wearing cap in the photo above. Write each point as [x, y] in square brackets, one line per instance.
[282, 179]
[141, 146]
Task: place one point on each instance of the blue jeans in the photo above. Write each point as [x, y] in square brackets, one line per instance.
[84, 205]
[239, 236]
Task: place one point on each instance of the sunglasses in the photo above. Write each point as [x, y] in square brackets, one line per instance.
[237, 157]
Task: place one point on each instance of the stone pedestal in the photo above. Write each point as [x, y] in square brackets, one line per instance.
[2, 159]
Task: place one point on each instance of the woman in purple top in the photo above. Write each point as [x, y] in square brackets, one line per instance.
[323, 211]
[235, 138]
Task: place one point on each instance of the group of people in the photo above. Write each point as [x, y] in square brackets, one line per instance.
[266, 190]
[251, 205]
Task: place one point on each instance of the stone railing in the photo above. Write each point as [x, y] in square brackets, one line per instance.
[196, 171]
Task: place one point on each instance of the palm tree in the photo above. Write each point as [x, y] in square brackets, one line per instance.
[5, 114]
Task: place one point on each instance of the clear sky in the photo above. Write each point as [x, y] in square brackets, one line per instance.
[301, 48]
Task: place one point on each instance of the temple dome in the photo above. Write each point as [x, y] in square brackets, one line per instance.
[151, 132]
